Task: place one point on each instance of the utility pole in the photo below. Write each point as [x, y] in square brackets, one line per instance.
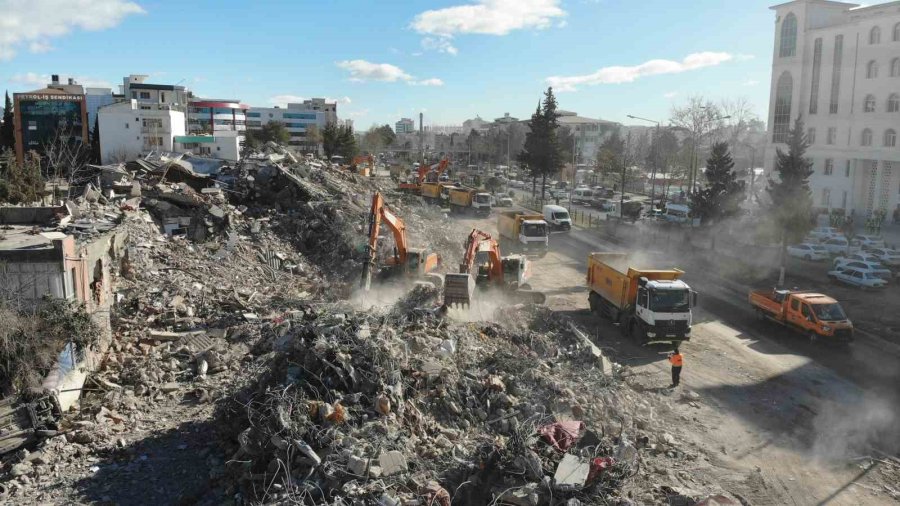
[624, 169]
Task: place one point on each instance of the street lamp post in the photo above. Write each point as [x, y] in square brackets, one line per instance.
[655, 159]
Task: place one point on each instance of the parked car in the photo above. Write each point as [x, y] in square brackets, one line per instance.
[888, 257]
[859, 256]
[808, 252]
[504, 202]
[856, 277]
[867, 241]
[582, 195]
[822, 233]
[873, 268]
[837, 246]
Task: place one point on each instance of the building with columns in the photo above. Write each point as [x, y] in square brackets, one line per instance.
[837, 65]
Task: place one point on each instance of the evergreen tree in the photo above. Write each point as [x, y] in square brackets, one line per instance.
[346, 142]
[7, 134]
[722, 197]
[330, 136]
[95, 141]
[21, 183]
[791, 207]
[542, 151]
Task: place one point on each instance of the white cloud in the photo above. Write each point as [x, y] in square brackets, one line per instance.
[356, 114]
[439, 44]
[671, 94]
[750, 82]
[428, 82]
[621, 74]
[35, 80]
[362, 70]
[32, 23]
[489, 17]
[40, 46]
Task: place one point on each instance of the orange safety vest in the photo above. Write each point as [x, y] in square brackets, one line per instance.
[676, 360]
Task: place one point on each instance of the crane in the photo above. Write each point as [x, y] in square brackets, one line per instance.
[510, 273]
[431, 173]
[410, 263]
[356, 165]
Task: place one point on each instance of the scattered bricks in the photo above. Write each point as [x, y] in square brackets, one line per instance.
[383, 405]
[392, 462]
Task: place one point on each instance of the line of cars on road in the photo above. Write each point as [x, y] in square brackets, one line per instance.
[863, 261]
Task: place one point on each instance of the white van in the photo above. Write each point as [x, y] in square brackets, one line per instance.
[557, 217]
[582, 195]
[678, 213]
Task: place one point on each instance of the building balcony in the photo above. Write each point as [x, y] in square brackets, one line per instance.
[155, 130]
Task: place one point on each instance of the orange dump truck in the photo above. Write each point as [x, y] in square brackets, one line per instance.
[814, 315]
[652, 305]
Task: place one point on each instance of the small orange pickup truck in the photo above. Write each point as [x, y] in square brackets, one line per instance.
[812, 314]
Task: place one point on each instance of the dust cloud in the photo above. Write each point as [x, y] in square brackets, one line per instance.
[851, 429]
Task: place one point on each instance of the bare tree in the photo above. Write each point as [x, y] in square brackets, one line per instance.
[66, 159]
[700, 118]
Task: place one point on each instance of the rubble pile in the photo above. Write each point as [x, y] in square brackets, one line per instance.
[373, 408]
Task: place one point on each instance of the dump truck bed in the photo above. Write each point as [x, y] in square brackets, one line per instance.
[764, 300]
[509, 222]
[613, 279]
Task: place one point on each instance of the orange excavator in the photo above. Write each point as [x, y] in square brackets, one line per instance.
[356, 165]
[490, 270]
[412, 264]
[429, 173]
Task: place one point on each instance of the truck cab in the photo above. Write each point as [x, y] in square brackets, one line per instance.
[534, 235]
[481, 203]
[663, 309]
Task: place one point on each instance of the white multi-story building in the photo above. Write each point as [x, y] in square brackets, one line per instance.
[296, 118]
[837, 66]
[223, 145]
[135, 87]
[213, 115]
[589, 133]
[129, 129]
[405, 126]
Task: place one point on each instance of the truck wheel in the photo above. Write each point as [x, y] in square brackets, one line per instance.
[760, 315]
[807, 258]
[592, 302]
[813, 337]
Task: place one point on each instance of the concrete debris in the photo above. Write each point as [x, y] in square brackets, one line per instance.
[240, 355]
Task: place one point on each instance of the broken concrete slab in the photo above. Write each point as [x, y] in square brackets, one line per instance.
[392, 462]
[572, 472]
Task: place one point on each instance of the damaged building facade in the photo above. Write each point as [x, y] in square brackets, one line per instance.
[55, 252]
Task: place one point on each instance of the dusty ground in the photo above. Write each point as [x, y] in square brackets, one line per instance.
[780, 421]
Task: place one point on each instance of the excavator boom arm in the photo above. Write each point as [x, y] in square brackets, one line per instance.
[378, 213]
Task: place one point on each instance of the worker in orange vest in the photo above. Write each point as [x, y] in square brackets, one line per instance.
[677, 361]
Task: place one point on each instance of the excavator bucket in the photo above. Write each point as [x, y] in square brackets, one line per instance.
[458, 289]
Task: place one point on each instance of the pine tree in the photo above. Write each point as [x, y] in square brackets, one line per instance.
[542, 152]
[791, 207]
[722, 197]
[95, 141]
[21, 183]
[7, 134]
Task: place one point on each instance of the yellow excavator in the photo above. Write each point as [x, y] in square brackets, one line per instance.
[411, 264]
[484, 268]
[364, 165]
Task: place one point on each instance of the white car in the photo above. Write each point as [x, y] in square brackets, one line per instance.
[867, 241]
[837, 246]
[822, 233]
[856, 277]
[808, 252]
[886, 256]
[873, 268]
[859, 256]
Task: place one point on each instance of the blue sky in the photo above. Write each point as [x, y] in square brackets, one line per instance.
[451, 59]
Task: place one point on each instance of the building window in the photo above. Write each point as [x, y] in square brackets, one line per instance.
[866, 138]
[847, 169]
[811, 136]
[162, 96]
[872, 70]
[893, 104]
[836, 73]
[782, 117]
[145, 95]
[32, 124]
[817, 70]
[826, 197]
[152, 123]
[126, 125]
[869, 104]
[897, 32]
[789, 36]
[829, 166]
[832, 135]
[875, 35]
[895, 67]
[133, 94]
[844, 200]
[890, 138]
